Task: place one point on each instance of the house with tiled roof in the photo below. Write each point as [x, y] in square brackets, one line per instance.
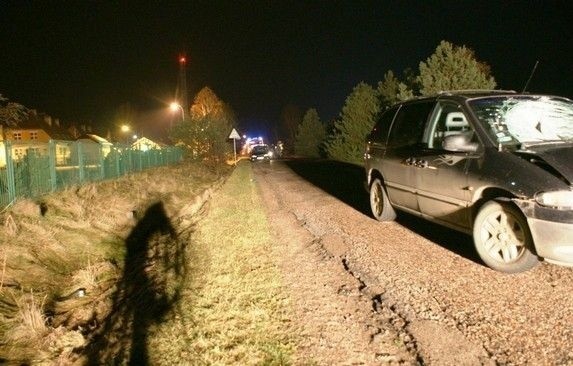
[96, 144]
[33, 134]
[145, 144]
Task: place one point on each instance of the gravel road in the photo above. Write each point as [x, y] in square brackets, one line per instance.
[406, 292]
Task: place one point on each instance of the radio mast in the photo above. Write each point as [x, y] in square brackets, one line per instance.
[183, 82]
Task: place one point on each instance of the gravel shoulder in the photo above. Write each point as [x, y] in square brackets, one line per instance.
[336, 320]
[404, 292]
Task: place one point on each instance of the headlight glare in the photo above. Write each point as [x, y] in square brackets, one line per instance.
[560, 200]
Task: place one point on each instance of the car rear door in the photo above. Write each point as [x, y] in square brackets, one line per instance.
[404, 142]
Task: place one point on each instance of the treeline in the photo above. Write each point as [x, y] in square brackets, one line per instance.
[450, 67]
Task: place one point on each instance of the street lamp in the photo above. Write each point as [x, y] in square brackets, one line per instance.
[125, 129]
[175, 106]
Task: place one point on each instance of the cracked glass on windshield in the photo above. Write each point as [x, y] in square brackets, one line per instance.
[526, 120]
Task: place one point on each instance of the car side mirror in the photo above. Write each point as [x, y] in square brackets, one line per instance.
[459, 143]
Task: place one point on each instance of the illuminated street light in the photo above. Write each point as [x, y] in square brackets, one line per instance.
[175, 106]
[125, 131]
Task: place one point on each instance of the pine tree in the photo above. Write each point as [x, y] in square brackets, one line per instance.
[391, 90]
[453, 68]
[357, 118]
[310, 135]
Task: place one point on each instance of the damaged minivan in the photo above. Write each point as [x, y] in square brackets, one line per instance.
[497, 165]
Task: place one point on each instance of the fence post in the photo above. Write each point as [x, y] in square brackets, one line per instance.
[52, 164]
[10, 173]
[130, 159]
[117, 167]
[81, 164]
[101, 163]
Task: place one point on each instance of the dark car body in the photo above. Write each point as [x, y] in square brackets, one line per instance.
[462, 158]
[261, 152]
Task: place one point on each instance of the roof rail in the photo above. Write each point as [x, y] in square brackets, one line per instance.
[474, 91]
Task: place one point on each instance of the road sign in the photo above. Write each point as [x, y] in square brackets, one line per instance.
[234, 135]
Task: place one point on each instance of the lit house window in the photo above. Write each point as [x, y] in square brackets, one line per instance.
[33, 135]
[17, 135]
[19, 153]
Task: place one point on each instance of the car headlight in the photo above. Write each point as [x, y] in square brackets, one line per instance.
[560, 200]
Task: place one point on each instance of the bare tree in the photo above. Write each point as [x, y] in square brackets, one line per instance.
[11, 113]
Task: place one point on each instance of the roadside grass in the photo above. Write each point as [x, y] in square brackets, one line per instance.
[233, 309]
[74, 240]
[228, 303]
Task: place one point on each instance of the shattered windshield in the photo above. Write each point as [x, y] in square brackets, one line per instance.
[526, 120]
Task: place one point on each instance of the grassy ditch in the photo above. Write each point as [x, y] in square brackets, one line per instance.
[234, 310]
[137, 271]
[72, 263]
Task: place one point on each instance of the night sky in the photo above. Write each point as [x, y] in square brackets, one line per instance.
[80, 60]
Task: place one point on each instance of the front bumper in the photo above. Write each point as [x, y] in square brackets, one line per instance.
[553, 240]
[551, 230]
[260, 157]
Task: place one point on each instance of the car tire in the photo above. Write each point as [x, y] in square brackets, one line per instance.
[380, 205]
[502, 238]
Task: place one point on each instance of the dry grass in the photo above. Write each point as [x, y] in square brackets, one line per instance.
[210, 296]
[70, 240]
[30, 322]
[26, 326]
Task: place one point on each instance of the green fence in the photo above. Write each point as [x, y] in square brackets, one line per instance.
[31, 170]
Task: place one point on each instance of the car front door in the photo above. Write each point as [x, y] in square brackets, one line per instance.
[441, 176]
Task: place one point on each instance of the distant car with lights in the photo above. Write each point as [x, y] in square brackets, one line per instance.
[494, 164]
[261, 152]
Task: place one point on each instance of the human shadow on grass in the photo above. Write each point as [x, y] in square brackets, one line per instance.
[346, 182]
[146, 293]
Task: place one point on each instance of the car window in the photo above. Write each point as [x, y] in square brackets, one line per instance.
[409, 124]
[380, 131]
[448, 119]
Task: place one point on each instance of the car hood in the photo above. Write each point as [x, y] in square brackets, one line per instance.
[556, 160]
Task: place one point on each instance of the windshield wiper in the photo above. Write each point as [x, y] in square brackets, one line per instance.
[525, 145]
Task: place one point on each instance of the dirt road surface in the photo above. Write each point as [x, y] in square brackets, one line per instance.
[406, 292]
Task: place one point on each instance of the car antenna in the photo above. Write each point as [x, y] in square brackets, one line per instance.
[530, 76]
